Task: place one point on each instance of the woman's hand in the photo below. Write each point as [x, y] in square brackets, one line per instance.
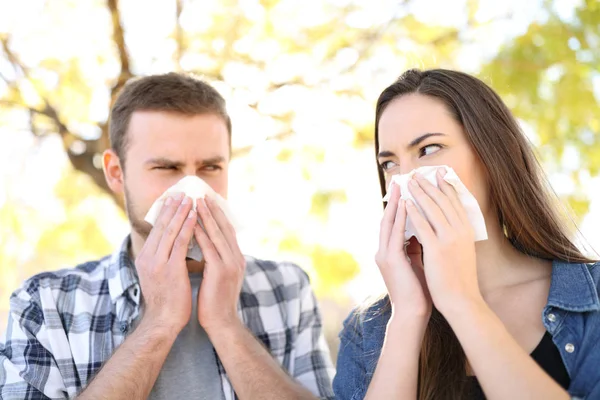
[448, 243]
[402, 272]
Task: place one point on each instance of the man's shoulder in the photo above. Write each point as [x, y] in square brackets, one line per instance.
[276, 272]
[66, 280]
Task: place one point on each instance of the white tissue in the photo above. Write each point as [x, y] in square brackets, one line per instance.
[466, 198]
[195, 188]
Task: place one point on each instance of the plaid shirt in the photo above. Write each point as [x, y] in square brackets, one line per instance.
[63, 326]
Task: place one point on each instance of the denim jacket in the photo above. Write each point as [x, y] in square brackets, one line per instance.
[571, 316]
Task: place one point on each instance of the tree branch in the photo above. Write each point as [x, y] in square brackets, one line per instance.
[178, 34]
[243, 151]
[118, 37]
[82, 161]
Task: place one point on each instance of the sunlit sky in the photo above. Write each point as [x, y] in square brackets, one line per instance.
[29, 169]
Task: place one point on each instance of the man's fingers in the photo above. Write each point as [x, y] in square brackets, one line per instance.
[212, 229]
[167, 211]
[209, 251]
[170, 232]
[182, 241]
[223, 224]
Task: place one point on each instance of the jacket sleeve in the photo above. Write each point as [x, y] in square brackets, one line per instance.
[350, 382]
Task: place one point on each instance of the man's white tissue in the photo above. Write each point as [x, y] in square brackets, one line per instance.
[466, 198]
[194, 188]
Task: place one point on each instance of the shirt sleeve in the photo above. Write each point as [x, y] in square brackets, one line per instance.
[350, 380]
[27, 368]
[312, 365]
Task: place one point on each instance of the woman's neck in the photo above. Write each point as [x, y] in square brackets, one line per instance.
[501, 265]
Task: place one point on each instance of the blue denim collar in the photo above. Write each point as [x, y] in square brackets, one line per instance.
[572, 288]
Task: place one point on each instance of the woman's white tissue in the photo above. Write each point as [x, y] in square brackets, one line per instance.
[466, 198]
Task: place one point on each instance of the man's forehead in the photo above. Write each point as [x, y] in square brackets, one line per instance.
[199, 133]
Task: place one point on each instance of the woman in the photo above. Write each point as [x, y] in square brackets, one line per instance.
[513, 317]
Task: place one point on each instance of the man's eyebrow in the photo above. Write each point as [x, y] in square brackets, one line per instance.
[212, 160]
[163, 161]
[417, 141]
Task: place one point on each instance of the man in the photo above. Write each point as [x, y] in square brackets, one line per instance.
[164, 326]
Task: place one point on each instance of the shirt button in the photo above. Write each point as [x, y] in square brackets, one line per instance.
[123, 327]
[551, 317]
[569, 347]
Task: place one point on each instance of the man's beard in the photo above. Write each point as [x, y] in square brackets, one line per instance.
[138, 225]
[137, 222]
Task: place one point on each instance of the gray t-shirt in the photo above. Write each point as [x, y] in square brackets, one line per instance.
[190, 370]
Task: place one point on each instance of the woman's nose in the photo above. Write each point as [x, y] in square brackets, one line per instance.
[407, 166]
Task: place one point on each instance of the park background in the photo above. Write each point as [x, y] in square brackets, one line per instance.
[301, 79]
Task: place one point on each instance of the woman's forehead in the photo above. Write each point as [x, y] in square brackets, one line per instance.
[409, 117]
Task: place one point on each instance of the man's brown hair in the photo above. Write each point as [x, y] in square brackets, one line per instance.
[170, 92]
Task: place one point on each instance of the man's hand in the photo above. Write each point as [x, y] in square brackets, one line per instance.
[223, 271]
[162, 268]
[132, 370]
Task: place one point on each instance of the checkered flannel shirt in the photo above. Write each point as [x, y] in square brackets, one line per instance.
[63, 326]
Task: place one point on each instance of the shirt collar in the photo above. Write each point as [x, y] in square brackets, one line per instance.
[573, 288]
[121, 271]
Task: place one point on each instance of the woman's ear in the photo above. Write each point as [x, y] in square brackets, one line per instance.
[113, 171]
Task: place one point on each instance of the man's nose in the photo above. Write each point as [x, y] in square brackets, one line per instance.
[189, 170]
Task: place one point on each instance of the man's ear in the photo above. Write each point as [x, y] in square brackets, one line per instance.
[113, 171]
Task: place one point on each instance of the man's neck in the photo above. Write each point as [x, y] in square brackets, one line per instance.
[137, 243]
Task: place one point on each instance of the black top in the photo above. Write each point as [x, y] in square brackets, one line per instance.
[547, 356]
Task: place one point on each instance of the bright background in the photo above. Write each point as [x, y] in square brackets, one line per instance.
[301, 79]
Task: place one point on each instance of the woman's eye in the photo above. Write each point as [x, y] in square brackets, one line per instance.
[429, 149]
[387, 165]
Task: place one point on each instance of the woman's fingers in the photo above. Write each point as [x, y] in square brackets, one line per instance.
[425, 232]
[396, 243]
[432, 211]
[389, 216]
[452, 196]
[441, 199]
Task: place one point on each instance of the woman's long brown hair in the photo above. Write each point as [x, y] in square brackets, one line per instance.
[518, 191]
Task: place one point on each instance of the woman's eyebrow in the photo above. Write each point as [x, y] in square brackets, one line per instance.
[417, 141]
[385, 153]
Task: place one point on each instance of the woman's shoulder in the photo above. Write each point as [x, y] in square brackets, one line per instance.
[595, 271]
[366, 318]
